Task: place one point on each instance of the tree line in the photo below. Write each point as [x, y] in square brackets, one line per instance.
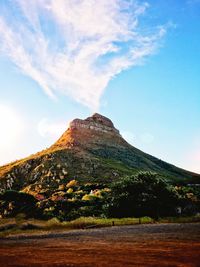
[142, 194]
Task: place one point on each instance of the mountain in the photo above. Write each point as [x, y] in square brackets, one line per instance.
[91, 150]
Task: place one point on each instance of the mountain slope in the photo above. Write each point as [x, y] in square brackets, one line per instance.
[91, 150]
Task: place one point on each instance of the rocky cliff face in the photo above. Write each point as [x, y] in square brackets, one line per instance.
[91, 150]
[92, 131]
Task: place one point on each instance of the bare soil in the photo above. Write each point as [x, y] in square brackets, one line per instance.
[139, 245]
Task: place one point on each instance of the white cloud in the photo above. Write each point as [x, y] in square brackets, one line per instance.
[129, 137]
[51, 130]
[147, 138]
[12, 127]
[11, 133]
[143, 139]
[75, 47]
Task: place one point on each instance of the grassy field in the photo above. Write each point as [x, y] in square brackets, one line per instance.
[14, 226]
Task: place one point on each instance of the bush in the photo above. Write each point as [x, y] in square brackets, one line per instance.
[144, 194]
[72, 183]
[14, 202]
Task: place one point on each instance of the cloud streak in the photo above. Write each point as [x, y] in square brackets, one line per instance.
[76, 47]
[52, 130]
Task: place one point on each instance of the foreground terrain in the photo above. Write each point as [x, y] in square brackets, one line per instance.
[138, 245]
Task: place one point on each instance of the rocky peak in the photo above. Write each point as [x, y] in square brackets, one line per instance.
[92, 130]
[96, 122]
[100, 119]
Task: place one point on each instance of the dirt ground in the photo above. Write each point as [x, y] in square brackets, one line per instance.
[139, 245]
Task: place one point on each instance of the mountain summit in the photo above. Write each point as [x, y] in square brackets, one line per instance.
[92, 132]
[91, 150]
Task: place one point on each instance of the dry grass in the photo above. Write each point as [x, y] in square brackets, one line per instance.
[11, 227]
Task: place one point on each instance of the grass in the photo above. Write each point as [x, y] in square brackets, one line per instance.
[118, 165]
[188, 219]
[92, 222]
[9, 227]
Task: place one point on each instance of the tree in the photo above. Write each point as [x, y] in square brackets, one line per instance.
[14, 202]
[144, 194]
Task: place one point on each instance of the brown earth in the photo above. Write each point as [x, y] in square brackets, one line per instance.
[139, 245]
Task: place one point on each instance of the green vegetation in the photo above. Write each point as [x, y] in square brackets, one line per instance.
[13, 203]
[140, 195]
[118, 165]
[9, 227]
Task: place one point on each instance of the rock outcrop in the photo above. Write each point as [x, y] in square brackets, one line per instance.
[90, 132]
[96, 122]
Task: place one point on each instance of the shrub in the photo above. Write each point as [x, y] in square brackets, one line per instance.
[14, 202]
[144, 194]
[72, 183]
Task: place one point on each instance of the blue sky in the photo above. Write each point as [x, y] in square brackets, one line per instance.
[139, 67]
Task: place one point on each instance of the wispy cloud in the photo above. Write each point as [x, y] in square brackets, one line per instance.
[191, 2]
[128, 136]
[51, 130]
[76, 47]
